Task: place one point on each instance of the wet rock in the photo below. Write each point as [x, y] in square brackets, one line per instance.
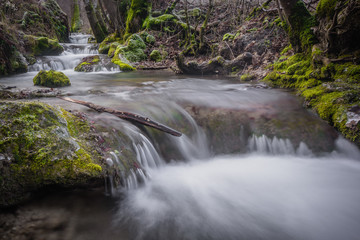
[40, 46]
[51, 79]
[43, 146]
[88, 64]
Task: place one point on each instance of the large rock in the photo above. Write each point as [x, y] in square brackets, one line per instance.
[43, 146]
[40, 46]
[51, 79]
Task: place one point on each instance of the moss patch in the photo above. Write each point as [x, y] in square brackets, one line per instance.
[51, 79]
[87, 64]
[40, 46]
[43, 146]
[331, 90]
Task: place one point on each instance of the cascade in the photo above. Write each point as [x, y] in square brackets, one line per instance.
[77, 49]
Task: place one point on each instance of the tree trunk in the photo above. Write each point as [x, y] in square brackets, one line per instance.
[300, 22]
[94, 21]
[138, 12]
[204, 25]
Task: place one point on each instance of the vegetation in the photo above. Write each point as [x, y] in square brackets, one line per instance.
[51, 79]
[44, 146]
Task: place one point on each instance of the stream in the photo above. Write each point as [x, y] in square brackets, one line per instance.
[252, 163]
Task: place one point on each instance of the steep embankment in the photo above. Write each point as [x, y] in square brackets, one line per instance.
[328, 75]
[27, 29]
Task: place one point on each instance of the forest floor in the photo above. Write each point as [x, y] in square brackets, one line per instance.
[260, 34]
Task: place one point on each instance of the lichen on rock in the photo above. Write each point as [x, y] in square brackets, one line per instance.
[51, 79]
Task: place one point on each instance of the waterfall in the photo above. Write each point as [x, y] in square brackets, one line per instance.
[77, 49]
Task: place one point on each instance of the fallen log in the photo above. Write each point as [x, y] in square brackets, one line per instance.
[134, 118]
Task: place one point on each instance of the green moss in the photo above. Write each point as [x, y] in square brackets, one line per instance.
[133, 50]
[228, 37]
[326, 8]
[112, 48]
[138, 12]
[150, 39]
[119, 60]
[247, 77]
[156, 56]
[104, 46]
[87, 64]
[44, 146]
[51, 79]
[41, 46]
[301, 21]
[75, 20]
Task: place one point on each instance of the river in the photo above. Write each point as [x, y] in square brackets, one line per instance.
[265, 169]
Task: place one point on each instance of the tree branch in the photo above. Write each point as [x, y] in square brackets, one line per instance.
[131, 117]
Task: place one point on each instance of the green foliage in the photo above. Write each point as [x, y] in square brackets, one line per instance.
[51, 79]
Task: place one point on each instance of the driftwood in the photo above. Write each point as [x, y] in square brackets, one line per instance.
[134, 118]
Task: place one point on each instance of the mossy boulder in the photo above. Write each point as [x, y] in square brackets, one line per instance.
[132, 51]
[157, 55]
[122, 62]
[88, 64]
[40, 46]
[51, 79]
[43, 146]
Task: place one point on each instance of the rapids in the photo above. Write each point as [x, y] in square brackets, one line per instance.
[275, 171]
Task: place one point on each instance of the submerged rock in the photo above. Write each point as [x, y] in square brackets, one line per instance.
[51, 79]
[43, 146]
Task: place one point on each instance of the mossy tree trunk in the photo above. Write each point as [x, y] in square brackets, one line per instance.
[75, 19]
[99, 30]
[300, 22]
[138, 12]
[204, 25]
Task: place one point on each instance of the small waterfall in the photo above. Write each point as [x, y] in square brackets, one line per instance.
[276, 146]
[77, 49]
[149, 152]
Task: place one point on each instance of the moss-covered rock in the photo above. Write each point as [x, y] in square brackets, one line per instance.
[331, 89]
[122, 62]
[133, 50]
[40, 46]
[43, 146]
[87, 64]
[51, 79]
[105, 45]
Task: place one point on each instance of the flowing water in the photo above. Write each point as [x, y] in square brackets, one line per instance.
[265, 169]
